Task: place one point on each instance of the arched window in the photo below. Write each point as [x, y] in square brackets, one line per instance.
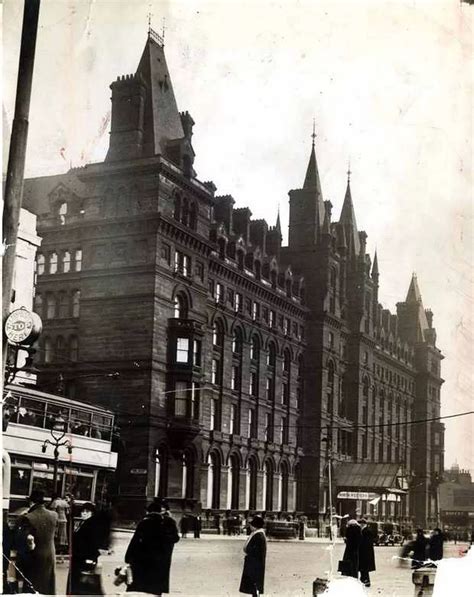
[214, 476]
[73, 348]
[255, 348]
[284, 486]
[62, 213]
[193, 211]
[299, 487]
[237, 342]
[218, 334]
[253, 468]
[50, 306]
[180, 307]
[234, 481]
[60, 347]
[177, 207]
[66, 262]
[185, 212]
[240, 260]
[53, 263]
[271, 359]
[41, 264]
[76, 301]
[39, 304]
[48, 350]
[187, 487]
[268, 482]
[63, 305]
[222, 246]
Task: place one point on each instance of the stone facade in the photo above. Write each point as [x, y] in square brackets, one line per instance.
[233, 363]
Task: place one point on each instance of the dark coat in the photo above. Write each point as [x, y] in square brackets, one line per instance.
[38, 565]
[366, 551]
[86, 542]
[253, 575]
[419, 551]
[351, 553]
[436, 547]
[149, 553]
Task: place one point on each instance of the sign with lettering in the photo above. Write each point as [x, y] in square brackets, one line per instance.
[22, 326]
[356, 495]
[138, 471]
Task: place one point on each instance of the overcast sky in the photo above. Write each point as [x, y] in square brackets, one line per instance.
[390, 87]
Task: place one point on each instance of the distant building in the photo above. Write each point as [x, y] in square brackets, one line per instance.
[456, 497]
[237, 368]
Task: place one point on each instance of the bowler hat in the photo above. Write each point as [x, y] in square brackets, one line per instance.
[37, 496]
[257, 522]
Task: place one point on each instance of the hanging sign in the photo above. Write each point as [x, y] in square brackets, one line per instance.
[23, 327]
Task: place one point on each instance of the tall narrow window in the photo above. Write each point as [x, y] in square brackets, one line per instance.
[235, 379]
[48, 350]
[50, 306]
[233, 419]
[238, 302]
[212, 420]
[53, 263]
[253, 383]
[180, 307]
[251, 423]
[41, 264]
[63, 305]
[66, 262]
[73, 348]
[78, 260]
[253, 483]
[197, 353]
[39, 304]
[180, 401]
[255, 349]
[182, 350]
[76, 300]
[62, 213]
[216, 372]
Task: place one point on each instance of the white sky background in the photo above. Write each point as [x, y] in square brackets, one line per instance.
[390, 87]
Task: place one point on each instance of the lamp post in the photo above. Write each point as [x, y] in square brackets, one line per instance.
[58, 432]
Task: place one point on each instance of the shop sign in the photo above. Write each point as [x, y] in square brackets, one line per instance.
[138, 471]
[22, 327]
[356, 495]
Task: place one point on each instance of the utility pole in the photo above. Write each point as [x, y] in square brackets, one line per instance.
[16, 159]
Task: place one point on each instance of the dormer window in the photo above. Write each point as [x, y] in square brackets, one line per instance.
[62, 213]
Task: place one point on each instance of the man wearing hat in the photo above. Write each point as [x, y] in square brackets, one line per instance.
[151, 548]
[366, 552]
[255, 549]
[34, 540]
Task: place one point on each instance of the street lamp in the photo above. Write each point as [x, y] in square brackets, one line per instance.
[57, 432]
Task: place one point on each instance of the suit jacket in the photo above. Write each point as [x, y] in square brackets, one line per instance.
[38, 565]
[366, 550]
[253, 575]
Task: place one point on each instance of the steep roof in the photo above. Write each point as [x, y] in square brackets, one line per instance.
[348, 220]
[414, 297]
[313, 184]
[162, 120]
[413, 294]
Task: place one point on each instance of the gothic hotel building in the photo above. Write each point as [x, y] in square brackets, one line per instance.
[237, 367]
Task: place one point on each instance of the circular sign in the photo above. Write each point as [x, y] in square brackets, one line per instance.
[22, 326]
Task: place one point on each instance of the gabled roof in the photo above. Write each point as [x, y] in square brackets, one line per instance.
[162, 120]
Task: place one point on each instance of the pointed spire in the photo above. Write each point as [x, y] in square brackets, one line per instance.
[311, 180]
[348, 218]
[278, 224]
[375, 266]
[414, 294]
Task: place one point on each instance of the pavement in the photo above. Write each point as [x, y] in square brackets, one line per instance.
[212, 565]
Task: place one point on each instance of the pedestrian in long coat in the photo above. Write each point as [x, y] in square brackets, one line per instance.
[255, 549]
[419, 549]
[366, 553]
[150, 550]
[34, 540]
[86, 542]
[436, 545]
[351, 552]
[61, 506]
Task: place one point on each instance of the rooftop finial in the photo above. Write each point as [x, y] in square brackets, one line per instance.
[349, 172]
[163, 29]
[313, 136]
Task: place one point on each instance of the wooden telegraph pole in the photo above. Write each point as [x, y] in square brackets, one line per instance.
[16, 159]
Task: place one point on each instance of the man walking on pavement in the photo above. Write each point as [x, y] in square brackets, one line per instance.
[366, 553]
[34, 540]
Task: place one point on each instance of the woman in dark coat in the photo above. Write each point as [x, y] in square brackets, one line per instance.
[255, 549]
[351, 553]
[150, 550]
[419, 549]
[366, 553]
[436, 545]
[86, 542]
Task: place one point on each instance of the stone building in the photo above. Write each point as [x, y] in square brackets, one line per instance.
[237, 367]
